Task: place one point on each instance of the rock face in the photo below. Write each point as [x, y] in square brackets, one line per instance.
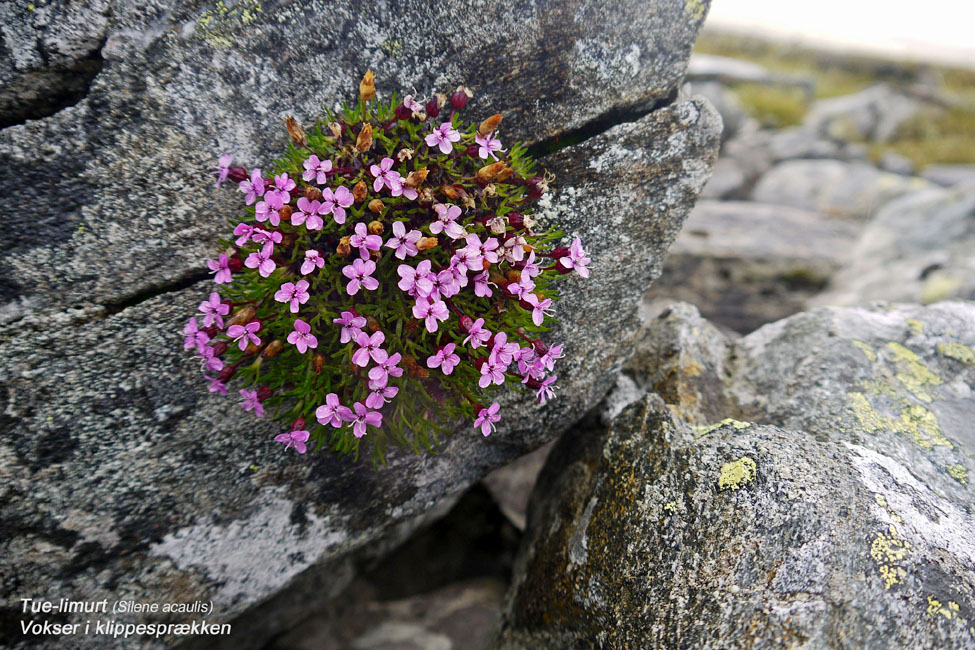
[808, 485]
[918, 248]
[872, 114]
[123, 478]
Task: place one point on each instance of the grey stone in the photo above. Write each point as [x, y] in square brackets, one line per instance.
[733, 114]
[949, 175]
[851, 190]
[710, 67]
[120, 199]
[796, 142]
[918, 248]
[745, 264]
[512, 484]
[897, 163]
[873, 114]
[123, 476]
[824, 501]
[727, 180]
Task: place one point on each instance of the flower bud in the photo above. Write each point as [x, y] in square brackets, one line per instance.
[376, 206]
[372, 324]
[296, 132]
[402, 112]
[514, 276]
[360, 191]
[417, 177]
[312, 193]
[490, 124]
[272, 348]
[559, 251]
[343, 249]
[367, 87]
[264, 392]
[226, 374]
[376, 228]
[251, 350]
[219, 348]
[285, 211]
[426, 243]
[404, 154]
[236, 173]
[472, 150]
[539, 346]
[537, 186]
[466, 323]
[488, 173]
[516, 220]
[212, 331]
[434, 105]
[243, 315]
[458, 98]
[298, 424]
[364, 141]
[317, 363]
[234, 264]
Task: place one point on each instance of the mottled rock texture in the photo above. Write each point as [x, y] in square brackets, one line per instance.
[807, 486]
[123, 478]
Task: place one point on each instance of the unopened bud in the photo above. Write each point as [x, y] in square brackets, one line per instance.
[285, 211]
[490, 124]
[211, 331]
[458, 98]
[472, 150]
[242, 316]
[488, 173]
[360, 191]
[376, 228]
[226, 374]
[317, 363]
[539, 346]
[251, 350]
[312, 193]
[537, 186]
[376, 206]
[364, 142]
[466, 323]
[298, 424]
[343, 249]
[272, 348]
[264, 392]
[402, 112]
[417, 177]
[219, 348]
[367, 87]
[296, 132]
[517, 220]
[404, 154]
[234, 264]
[236, 173]
[434, 105]
[426, 243]
[372, 324]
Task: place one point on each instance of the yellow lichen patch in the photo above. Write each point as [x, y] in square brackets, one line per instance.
[959, 473]
[938, 287]
[868, 351]
[881, 500]
[737, 473]
[949, 610]
[957, 351]
[916, 325]
[216, 25]
[695, 8]
[913, 419]
[671, 507]
[911, 372]
[888, 550]
[703, 430]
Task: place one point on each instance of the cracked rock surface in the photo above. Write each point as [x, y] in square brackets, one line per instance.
[807, 485]
[123, 478]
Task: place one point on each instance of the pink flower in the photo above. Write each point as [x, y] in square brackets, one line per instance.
[363, 417]
[443, 136]
[379, 374]
[486, 418]
[242, 334]
[351, 326]
[404, 190]
[545, 391]
[216, 386]
[313, 259]
[264, 212]
[384, 175]
[514, 249]
[243, 232]
[316, 169]
[332, 412]
[477, 335]
[262, 236]
[281, 194]
[482, 286]
[447, 220]
[214, 310]
[301, 337]
[252, 188]
[529, 366]
[523, 287]
[309, 213]
[576, 259]
[549, 358]
[431, 312]
[296, 439]
[220, 266]
[210, 361]
[492, 372]
[194, 337]
[445, 284]
[415, 107]
[539, 307]
[415, 281]
[505, 351]
[445, 359]
[380, 396]
[262, 260]
[403, 243]
[489, 249]
[364, 241]
[223, 167]
[488, 145]
[251, 401]
[531, 269]
[294, 293]
[336, 202]
[360, 276]
[369, 346]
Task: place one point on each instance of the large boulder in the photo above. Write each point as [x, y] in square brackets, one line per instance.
[875, 114]
[918, 248]
[123, 478]
[808, 485]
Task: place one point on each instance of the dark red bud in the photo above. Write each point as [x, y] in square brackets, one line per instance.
[219, 348]
[227, 302]
[235, 264]
[480, 362]
[226, 374]
[237, 174]
[472, 151]
[298, 424]
[264, 392]
[539, 346]
[517, 220]
[536, 187]
[403, 113]
[211, 331]
[433, 107]
[466, 323]
[525, 305]
[458, 99]
[560, 251]
[533, 383]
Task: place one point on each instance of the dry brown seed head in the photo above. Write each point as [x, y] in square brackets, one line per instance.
[490, 124]
[505, 174]
[272, 348]
[242, 316]
[312, 193]
[514, 276]
[376, 228]
[343, 249]
[285, 212]
[376, 206]
[364, 142]
[488, 173]
[367, 87]
[426, 243]
[417, 177]
[296, 132]
[360, 191]
[317, 363]
[372, 324]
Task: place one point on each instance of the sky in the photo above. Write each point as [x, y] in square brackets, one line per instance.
[932, 30]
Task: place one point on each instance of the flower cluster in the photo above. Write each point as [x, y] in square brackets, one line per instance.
[388, 278]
